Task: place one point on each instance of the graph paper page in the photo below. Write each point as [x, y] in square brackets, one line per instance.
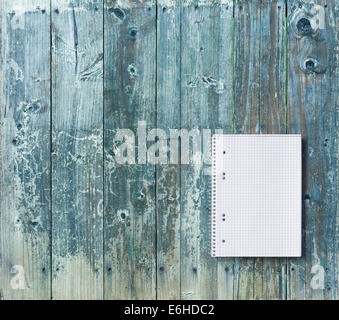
[256, 196]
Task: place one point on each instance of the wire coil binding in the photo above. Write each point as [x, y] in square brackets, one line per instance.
[213, 198]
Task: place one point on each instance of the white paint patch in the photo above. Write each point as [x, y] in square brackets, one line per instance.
[220, 88]
[167, 3]
[126, 4]
[18, 20]
[100, 208]
[208, 3]
[318, 279]
[207, 82]
[65, 5]
[200, 3]
[18, 74]
[20, 8]
[330, 175]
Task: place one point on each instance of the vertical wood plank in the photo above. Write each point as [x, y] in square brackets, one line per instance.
[129, 97]
[246, 107]
[25, 150]
[168, 175]
[206, 102]
[77, 155]
[313, 112]
[260, 108]
[270, 273]
[225, 268]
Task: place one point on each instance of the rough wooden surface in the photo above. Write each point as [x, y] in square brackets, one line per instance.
[73, 72]
[260, 109]
[129, 97]
[25, 150]
[77, 149]
[270, 273]
[313, 112]
[168, 175]
[206, 103]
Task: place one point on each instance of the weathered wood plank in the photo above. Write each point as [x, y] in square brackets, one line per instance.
[313, 112]
[168, 175]
[270, 273]
[25, 150]
[206, 102]
[129, 97]
[189, 86]
[246, 107]
[260, 108]
[225, 269]
[77, 155]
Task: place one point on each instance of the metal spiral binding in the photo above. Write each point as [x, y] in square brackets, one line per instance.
[213, 198]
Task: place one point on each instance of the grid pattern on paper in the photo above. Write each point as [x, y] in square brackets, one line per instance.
[256, 200]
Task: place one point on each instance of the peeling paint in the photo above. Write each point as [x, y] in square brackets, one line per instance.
[18, 73]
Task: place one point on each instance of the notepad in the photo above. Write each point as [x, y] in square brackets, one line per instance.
[256, 196]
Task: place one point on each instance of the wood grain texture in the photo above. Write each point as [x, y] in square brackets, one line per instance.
[246, 107]
[25, 151]
[206, 102]
[225, 110]
[129, 97]
[259, 82]
[313, 112]
[168, 175]
[270, 276]
[72, 76]
[77, 155]
[270, 273]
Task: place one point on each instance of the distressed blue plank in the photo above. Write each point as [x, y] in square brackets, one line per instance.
[313, 112]
[77, 155]
[168, 174]
[259, 84]
[206, 103]
[271, 273]
[25, 150]
[129, 97]
[176, 72]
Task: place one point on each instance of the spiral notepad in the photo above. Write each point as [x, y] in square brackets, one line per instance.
[256, 196]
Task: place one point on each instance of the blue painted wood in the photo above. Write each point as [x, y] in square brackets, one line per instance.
[259, 91]
[24, 150]
[271, 273]
[77, 149]
[142, 230]
[168, 175]
[129, 97]
[206, 103]
[313, 112]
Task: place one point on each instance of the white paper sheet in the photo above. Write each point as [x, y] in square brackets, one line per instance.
[256, 196]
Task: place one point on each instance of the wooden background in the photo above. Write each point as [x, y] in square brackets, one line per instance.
[77, 225]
